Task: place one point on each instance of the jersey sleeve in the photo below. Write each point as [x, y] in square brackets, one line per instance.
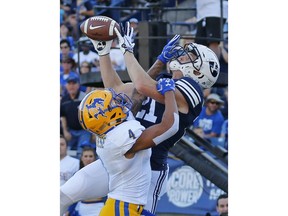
[125, 135]
[191, 91]
[133, 133]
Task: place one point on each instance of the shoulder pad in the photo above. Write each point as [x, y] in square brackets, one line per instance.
[191, 91]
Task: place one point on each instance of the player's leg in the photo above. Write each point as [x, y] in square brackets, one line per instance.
[157, 189]
[90, 182]
[114, 207]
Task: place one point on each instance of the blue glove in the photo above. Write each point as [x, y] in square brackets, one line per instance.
[125, 37]
[164, 85]
[168, 51]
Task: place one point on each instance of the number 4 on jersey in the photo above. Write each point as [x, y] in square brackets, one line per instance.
[131, 134]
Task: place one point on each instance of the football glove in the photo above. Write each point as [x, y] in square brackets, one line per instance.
[168, 51]
[164, 85]
[102, 47]
[125, 38]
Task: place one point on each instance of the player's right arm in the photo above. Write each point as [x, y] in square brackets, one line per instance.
[166, 55]
[109, 76]
[169, 124]
[143, 81]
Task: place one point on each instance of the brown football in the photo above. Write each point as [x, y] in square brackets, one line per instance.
[100, 28]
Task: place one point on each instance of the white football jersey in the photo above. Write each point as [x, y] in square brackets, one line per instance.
[129, 179]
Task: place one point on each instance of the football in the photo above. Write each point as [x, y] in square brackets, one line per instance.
[99, 28]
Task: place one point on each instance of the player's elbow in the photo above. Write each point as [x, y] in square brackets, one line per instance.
[145, 86]
[140, 87]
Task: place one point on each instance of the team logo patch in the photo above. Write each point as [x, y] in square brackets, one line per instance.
[101, 45]
[214, 68]
[98, 104]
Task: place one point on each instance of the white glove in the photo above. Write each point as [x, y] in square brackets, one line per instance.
[102, 47]
[125, 38]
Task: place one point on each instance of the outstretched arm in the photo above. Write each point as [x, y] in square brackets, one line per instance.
[109, 76]
[142, 81]
[169, 124]
[155, 69]
[166, 55]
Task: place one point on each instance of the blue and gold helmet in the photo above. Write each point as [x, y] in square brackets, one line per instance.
[101, 110]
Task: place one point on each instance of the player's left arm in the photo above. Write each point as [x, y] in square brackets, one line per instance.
[144, 83]
[169, 124]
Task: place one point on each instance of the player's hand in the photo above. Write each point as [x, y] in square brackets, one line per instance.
[102, 47]
[164, 85]
[125, 38]
[168, 51]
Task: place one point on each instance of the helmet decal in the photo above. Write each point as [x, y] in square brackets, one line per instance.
[213, 68]
[96, 101]
[99, 104]
[101, 110]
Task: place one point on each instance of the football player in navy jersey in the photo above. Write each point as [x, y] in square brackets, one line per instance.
[192, 67]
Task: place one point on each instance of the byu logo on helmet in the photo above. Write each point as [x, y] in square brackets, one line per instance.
[213, 68]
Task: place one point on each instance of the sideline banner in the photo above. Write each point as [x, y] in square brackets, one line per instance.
[188, 192]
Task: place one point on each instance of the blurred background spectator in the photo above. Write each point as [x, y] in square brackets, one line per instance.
[65, 50]
[68, 68]
[210, 119]
[92, 206]
[117, 57]
[222, 205]
[66, 33]
[84, 9]
[223, 94]
[85, 68]
[72, 130]
[210, 22]
[81, 8]
[68, 165]
[86, 54]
